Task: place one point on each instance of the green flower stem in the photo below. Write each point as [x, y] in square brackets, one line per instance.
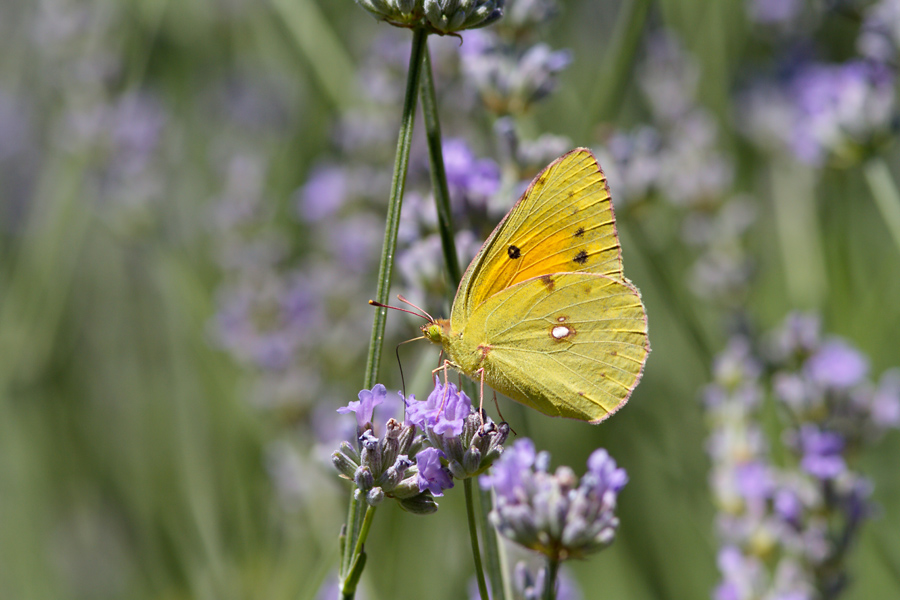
[491, 547]
[885, 193]
[398, 182]
[349, 534]
[550, 579]
[358, 557]
[438, 173]
[473, 536]
[353, 560]
[799, 234]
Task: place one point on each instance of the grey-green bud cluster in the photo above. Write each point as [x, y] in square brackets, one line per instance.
[383, 467]
[475, 449]
[438, 16]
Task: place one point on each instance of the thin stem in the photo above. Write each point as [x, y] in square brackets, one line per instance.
[354, 559]
[364, 530]
[473, 536]
[348, 543]
[438, 173]
[550, 578]
[491, 547]
[398, 182]
[799, 237]
[885, 193]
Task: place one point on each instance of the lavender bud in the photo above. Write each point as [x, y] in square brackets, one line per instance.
[364, 479]
[420, 504]
[345, 466]
[375, 496]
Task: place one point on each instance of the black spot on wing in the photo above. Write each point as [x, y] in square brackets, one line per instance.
[548, 282]
[513, 252]
[581, 257]
[579, 232]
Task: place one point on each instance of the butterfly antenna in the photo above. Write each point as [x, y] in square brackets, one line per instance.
[418, 308]
[425, 316]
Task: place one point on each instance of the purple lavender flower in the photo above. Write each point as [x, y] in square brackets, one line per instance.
[471, 180]
[443, 412]
[383, 467]
[510, 81]
[885, 403]
[470, 442]
[555, 514]
[821, 450]
[839, 107]
[769, 12]
[364, 408]
[836, 365]
[433, 476]
[324, 193]
[879, 36]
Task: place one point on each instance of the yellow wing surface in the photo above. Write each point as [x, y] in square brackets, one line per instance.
[566, 344]
[562, 223]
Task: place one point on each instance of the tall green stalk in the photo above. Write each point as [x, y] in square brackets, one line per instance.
[354, 536]
[392, 224]
[438, 173]
[887, 197]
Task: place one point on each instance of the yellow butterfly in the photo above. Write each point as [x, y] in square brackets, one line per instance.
[544, 314]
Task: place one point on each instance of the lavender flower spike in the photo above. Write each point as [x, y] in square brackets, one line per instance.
[555, 514]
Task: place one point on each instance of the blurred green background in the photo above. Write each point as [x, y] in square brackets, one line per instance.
[139, 459]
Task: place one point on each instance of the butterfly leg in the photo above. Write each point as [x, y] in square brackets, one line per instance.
[446, 393]
[480, 374]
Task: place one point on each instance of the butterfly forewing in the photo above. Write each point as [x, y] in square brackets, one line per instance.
[563, 223]
[575, 352]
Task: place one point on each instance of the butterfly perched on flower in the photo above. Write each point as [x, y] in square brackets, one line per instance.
[544, 314]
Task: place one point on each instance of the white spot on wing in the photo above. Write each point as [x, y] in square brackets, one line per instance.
[560, 331]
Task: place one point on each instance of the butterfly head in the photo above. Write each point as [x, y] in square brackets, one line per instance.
[437, 331]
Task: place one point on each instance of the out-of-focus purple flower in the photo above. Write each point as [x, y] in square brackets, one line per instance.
[885, 404]
[668, 78]
[799, 335]
[364, 408]
[840, 106]
[433, 476]
[822, 456]
[837, 365]
[555, 513]
[510, 82]
[772, 12]
[754, 480]
[743, 576]
[324, 193]
[634, 168]
[470, 179]
[443, 412]
[879, 35]
[265, 322]
[507, 474]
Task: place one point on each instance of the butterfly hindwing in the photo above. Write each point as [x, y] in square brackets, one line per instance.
[566, 344]
[563, 223]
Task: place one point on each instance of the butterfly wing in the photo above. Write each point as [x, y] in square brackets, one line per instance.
[530, 241]
[577, 351]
